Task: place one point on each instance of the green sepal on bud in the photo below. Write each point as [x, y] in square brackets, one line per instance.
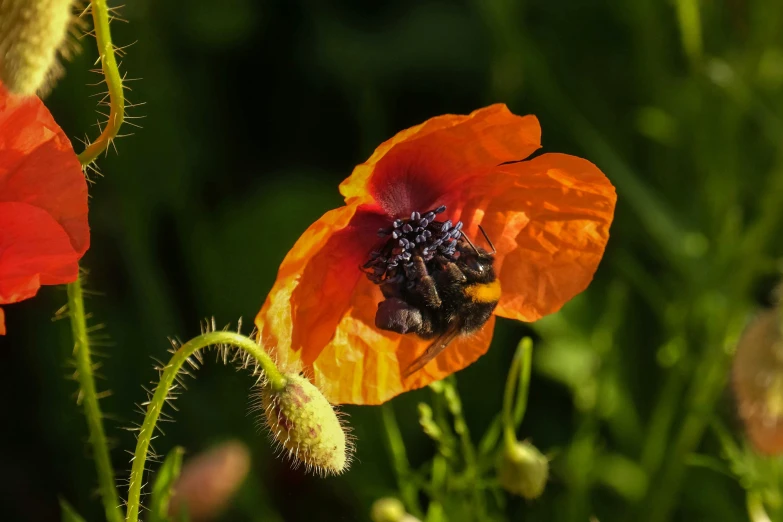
[32, 33]
[523, 470]
[303, 422]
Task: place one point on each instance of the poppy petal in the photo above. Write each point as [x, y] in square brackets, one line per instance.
[410, 171]
[315, 283]
[364, 365]
[38, 166]
[549, 219]
[36, 251]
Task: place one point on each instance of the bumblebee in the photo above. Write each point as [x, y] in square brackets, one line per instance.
[435, 282]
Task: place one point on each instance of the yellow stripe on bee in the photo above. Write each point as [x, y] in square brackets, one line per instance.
[484, 292]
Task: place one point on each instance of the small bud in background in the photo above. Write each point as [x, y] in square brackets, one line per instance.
[32, 32]
[523, 470]
[757, 379]
[303, 422]
[209, 480]
[390, 510]
[387, 510]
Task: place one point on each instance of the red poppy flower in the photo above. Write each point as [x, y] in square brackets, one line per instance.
[43, 201]
[548, 218]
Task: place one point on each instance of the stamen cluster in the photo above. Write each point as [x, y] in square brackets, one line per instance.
[420, 235]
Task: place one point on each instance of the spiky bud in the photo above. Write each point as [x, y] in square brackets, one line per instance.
[303, 422]
[523, 470]
[31, 34]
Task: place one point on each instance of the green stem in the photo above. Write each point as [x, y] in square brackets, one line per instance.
[276, 380]
[523, 361]
[92, 410]
[756, 510]
[100, 17]
[690, 28]
[408, 490]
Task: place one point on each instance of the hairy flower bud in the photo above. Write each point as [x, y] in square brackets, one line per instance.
[523, 470]
[31, 34]
[757, 378]
[303, 422]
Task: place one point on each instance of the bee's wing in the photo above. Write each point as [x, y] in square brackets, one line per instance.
[432, 351]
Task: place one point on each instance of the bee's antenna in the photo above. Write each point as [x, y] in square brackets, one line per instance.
[494, 250]
[471, 244]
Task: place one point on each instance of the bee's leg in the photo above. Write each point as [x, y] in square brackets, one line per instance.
[396, 315]
[421, 282]
[451, 272]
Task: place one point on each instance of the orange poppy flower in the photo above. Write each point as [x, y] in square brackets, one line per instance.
[548, 218]
[43, 201]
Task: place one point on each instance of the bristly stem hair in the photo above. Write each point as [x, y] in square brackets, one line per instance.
[100, 16]
[168, 375]
[89, 398]
[84, 365]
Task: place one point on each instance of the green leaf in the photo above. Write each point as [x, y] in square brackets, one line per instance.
[164, 481]
[68, 513]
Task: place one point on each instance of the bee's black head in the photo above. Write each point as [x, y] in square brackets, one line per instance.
[476, 263]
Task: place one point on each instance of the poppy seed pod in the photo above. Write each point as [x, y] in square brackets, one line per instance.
[31, 34]
[523, 470]
[303, 422]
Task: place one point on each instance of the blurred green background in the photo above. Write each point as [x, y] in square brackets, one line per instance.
[254, 111]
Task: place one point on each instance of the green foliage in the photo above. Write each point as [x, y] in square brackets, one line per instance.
[165, 478]
[68, 514]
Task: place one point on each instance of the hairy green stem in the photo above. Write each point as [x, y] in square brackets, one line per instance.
[100, 17]
[89, 398]
[275, 379]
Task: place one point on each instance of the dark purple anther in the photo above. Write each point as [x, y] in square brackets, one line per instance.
[433, 242]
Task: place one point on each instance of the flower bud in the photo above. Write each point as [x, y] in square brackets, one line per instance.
[209, 480]
[523, 470]
[387, 510]
[303, 422]
[31, 33]
[757, 379]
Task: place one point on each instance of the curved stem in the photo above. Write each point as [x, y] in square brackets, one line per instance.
[89, 398]
[276, 380]
[523, 361]
[100, 17]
